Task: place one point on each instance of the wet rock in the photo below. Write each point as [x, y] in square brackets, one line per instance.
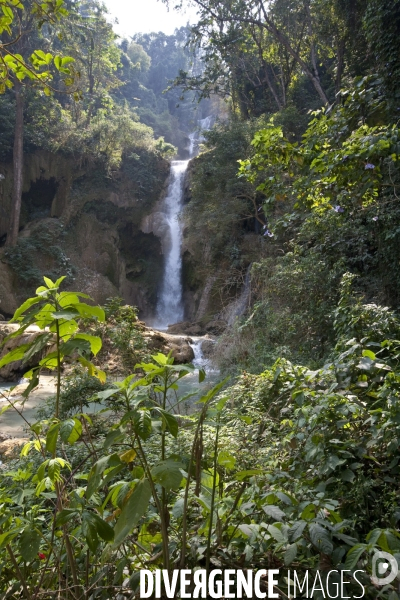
[208, 348]
[186, 328]
[2, 318]
[158, 341]
[177, 328]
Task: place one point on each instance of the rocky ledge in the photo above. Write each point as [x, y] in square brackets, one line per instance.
[215, 327]
[178, 345]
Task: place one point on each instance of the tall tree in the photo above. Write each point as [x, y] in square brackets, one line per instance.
[290, 24]
[22, 65]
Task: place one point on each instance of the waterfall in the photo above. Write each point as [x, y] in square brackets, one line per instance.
[170, 302]
[238, 308]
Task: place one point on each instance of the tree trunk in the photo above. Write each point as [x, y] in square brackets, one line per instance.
[18, 165]
[340, 65]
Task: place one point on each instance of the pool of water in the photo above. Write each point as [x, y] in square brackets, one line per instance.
[11, 422]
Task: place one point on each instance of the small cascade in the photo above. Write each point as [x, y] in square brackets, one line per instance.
[196, 137]
[241, 304]
[192, 143]
[200, 361]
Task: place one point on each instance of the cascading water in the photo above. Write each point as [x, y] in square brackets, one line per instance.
[170, 305]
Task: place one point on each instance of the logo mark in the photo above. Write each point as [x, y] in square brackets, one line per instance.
[381, 563]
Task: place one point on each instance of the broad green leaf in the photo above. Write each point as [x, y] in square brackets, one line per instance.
[177, 509]
[94, 527]
[27, 304]
[309, 512]
[170, 422]
[106, 394]
[33, 375]
[8, 536]
[321, 539]
[89, 530]
[160, 359]
[225, 459]
[274, 511]
[75, 344]
[354, 555]
[71, 430]
[92, 370]
[47, 281]
[54, 470]
[66, 315]
[91, 312]
[296, 530]
[5, 409]
[242, 475]
[111, 460]
[104, 530]
[29, 544]
[347, 475]
[142, 424]
[213, 392]
[290, 554]
[94, 341]
[168, 474]
[65, 515]
[37, 346]
[134, 509]
[59, 282]
[128, 456]
[51, 438]
[15, 354]
[276, 534]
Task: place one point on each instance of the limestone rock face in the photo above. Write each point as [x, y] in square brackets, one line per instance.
[10, 448]
[78, 222]
[159, 341]
[8, 295]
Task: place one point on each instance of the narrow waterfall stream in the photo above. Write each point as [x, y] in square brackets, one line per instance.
[170, 306]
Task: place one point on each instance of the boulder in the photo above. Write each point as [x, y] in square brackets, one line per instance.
[208, 348]
[158, 341]
[10, 448]
[186, 327]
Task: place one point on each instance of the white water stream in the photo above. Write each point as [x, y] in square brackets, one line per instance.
[170, 307]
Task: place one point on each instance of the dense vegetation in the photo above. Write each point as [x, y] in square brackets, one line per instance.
[294, 464]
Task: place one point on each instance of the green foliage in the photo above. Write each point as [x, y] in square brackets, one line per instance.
[124, 332]
[287, 467]
[37, 68]
[382, 25]
[220, 203]
[23, 258]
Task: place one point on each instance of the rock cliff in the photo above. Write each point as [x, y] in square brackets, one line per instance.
[76, 221]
